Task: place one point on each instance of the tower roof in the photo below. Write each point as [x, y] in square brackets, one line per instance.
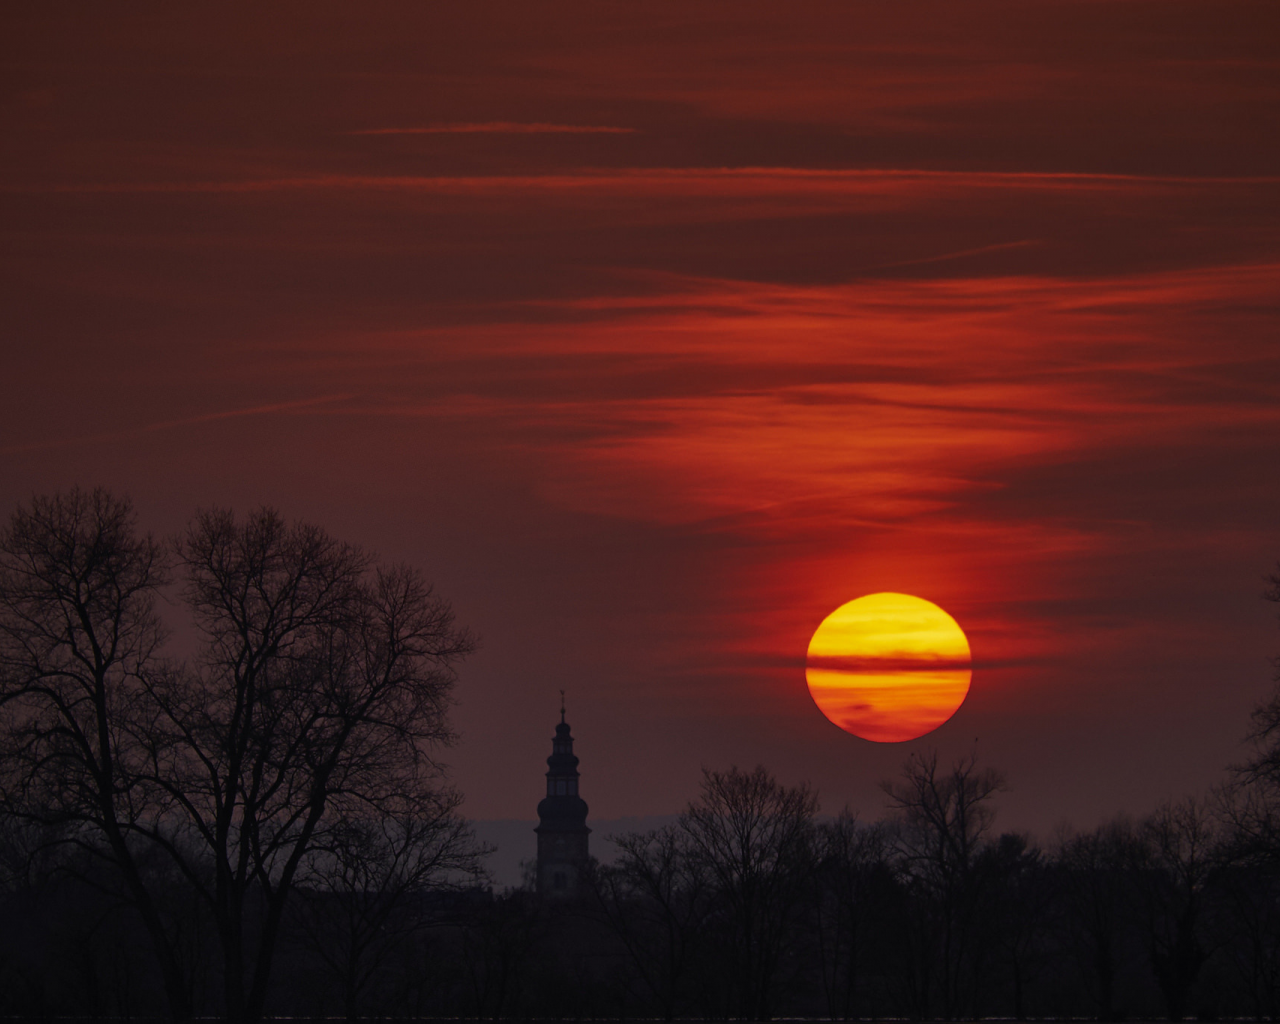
[562, 810]
[562, 761]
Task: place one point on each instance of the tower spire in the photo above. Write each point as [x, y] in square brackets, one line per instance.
[562, 705]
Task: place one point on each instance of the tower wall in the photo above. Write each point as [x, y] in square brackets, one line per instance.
[561, 857]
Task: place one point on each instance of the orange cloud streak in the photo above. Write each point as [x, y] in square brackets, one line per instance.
[825, 418]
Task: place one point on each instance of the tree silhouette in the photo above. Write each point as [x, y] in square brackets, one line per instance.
[942, 818]
[1018, 901]
[854, 886]
[1180, 851]
[1254, 795]
[1249, 805]
[79, 634]
[656, 899]
[754, 839]
[363, 895]
[320, 688]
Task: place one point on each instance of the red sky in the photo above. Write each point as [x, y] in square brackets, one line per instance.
[653, 332]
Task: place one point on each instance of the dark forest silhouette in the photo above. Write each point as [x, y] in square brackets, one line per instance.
[262, 828]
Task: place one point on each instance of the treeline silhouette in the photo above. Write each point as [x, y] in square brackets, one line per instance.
[260, 828]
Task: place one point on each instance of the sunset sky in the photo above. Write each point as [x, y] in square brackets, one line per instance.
[653, 332]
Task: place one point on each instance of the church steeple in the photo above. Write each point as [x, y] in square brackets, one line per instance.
[562, 819]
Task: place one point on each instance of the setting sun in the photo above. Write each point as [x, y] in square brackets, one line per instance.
[888, 667]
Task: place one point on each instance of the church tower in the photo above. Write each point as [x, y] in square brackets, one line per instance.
[562, 820]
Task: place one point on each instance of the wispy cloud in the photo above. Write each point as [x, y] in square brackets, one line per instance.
[875, 402]
[500, 128]
[691, 182]
[300, 405]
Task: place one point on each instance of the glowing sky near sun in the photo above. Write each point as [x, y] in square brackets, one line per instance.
[653, 333]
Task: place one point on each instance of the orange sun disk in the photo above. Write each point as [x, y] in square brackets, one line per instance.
[888, 667]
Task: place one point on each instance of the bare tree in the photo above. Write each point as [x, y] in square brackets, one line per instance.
[494, 951]
[79, 634]
[363, 895]
[853, 880]
[1251, 800]
[319, 694]
[1180, 853]
[754, 838]
[655, 899]
[1095, 872]
[1018, 901]
[942, 817]
[1250, 886]
[1248, 804]
[323, 687]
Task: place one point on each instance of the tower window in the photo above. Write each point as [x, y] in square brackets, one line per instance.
[560, 788]
[573, 787]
